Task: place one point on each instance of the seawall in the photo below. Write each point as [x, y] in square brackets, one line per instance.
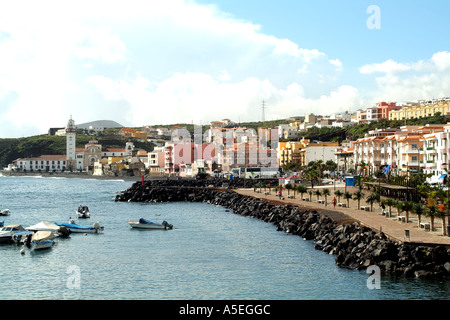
[354, 246]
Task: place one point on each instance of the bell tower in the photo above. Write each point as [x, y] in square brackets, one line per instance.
[71, 133]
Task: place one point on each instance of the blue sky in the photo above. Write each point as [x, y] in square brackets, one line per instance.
[155, 62]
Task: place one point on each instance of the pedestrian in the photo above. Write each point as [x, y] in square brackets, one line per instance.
[334, 202]
[279, 194]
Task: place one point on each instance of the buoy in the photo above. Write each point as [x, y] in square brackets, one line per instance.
[22, 251]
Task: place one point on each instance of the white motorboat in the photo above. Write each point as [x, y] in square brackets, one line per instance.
[5, 212]
[76, 228]
[146, 224]
[83, 212]
[7, 232]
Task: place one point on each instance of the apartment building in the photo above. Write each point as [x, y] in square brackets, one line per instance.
[424, 109]
[292, 152]
[405, 151]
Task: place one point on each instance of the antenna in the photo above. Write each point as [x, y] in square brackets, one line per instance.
[263, 108]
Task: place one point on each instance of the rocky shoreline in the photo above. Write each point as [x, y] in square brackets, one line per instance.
[353, 245]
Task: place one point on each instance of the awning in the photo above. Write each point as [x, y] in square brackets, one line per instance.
[443, 176]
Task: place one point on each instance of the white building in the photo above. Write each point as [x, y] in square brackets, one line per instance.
[315, 153]
[71, 134]
[45, 163]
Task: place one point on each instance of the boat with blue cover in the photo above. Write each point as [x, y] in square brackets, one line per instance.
[147, 224]
[76, 228]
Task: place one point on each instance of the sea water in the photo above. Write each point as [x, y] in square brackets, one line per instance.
[211, 253]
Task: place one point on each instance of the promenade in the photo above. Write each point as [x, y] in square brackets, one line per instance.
[391, 226]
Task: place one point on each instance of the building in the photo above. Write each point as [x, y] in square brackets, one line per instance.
[319, 151]
[44, 163]
[424, 109]
[404, 151]
[129, 133]
[245, 154]
[291, 152]
[71, 134]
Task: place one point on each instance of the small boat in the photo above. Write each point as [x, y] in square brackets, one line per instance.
[83, 212]
[5, 212]
[42, 240]
[49, 226]
[7, 232]
[76, 228]
[146, 224]
[21, 236]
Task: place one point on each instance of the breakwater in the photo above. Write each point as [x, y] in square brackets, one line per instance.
[354, 246]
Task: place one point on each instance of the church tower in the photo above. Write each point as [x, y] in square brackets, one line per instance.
[71, 133]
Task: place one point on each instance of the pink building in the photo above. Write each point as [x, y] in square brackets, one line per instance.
[384, 108]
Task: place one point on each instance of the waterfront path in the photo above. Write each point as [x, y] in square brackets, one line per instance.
[391, 226]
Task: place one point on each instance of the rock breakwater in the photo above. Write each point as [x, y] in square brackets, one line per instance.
[354, 246]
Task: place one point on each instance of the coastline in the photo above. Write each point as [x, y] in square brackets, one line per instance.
[355, 245]
[69, 175]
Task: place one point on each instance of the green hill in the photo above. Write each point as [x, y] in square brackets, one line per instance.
[35, 146]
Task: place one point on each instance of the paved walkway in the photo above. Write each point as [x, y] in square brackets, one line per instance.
[391, 226]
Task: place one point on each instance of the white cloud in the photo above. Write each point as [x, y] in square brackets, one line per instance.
[411, 81]
[154, 61]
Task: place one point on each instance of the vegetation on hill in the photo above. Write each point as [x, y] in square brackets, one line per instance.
[35, 146]
[11, 149]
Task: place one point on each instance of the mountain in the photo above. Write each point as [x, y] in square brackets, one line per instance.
[100, 123]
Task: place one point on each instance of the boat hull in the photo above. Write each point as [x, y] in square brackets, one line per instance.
[75, 228]
[155, 226]
[40, 245]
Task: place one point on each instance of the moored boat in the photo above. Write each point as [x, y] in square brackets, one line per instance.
[146, 224]
[83, 212]
[42, 240]
[76, 228]
[49, 226]
[8, 231]
[5, 212]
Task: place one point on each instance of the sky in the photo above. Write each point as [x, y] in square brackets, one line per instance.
[154, 62]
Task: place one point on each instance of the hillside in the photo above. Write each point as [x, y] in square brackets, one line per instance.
[11, 149]
[107, 124]
[35, 146]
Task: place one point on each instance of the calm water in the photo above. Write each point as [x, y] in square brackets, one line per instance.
[210, 253]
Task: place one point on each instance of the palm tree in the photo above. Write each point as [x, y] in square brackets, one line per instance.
[326, 192]
[348, 196]
[418, 209]
[407, 206]
[302, 189]
[373, 197]
[390, 203]
[338, 194]
[358, 195]
[399, 206]
[431, 212]
[318, 194]
[441, 214]
[288, 187]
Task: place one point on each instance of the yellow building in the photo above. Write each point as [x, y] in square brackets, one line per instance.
[419, 111]
[291, 152]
